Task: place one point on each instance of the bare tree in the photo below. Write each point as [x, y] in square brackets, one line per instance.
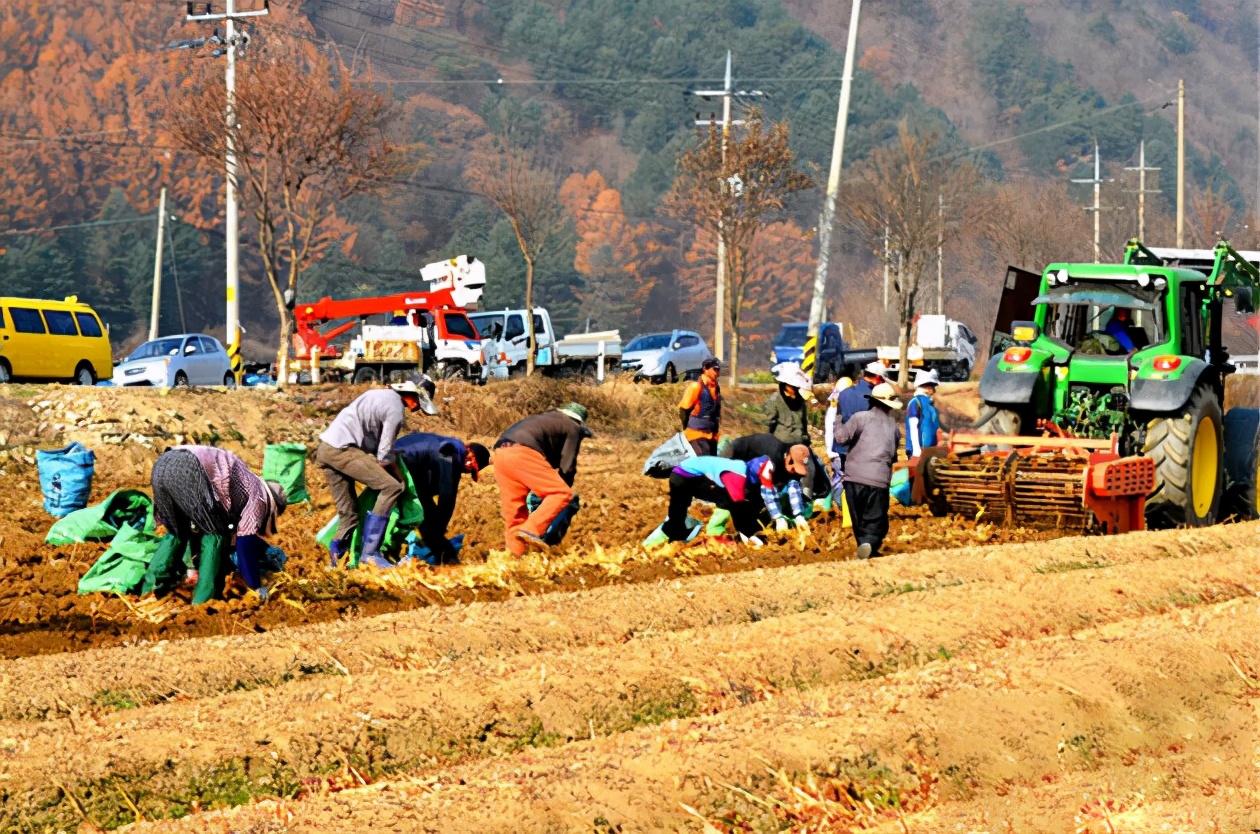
[1212, 214]
[898, 187]
[307, 138]
[527, 191]
[736, 199]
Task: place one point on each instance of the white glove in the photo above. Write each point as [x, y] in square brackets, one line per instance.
[780, 525]
[802, 524]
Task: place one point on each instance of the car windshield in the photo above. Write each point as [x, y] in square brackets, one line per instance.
[653, 341]
[792, 335]
[156, 348]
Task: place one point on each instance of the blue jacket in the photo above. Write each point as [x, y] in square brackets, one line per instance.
[852, 401]
[924, 409]
[436, 463]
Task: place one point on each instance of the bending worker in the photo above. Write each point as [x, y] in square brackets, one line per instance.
[358, 448]
[731, 485]
[923, 421]
[871, 438]
[752, 446]
[204, 497]
[538, 455]
[436, 465]
[700, 409]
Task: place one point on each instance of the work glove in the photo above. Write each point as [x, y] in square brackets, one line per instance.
[780, 525]
[752, 541]
[802, 524]
[717, 522]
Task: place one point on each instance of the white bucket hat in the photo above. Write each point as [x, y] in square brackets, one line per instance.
[926, 377]
[790, 373]
[886, 394]
[876, 368]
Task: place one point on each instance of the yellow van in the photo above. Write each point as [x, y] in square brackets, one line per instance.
[53, 340]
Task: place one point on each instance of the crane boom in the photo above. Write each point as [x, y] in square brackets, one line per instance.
[455, 284]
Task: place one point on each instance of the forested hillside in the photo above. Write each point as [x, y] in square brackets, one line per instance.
[601, 86]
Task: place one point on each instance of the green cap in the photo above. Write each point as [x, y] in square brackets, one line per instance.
[577, 412]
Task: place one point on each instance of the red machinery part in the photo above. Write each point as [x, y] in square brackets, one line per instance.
[1116, 490]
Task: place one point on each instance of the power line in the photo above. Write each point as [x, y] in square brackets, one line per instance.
[141, 219]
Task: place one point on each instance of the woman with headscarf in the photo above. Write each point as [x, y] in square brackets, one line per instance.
[207, 497]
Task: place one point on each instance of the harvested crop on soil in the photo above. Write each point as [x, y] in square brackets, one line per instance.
[978, 678]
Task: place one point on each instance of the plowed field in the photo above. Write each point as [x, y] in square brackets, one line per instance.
[976, 679]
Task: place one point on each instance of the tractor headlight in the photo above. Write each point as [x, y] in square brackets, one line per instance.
[1160, 282]
[1061, 276]
[1144, 280]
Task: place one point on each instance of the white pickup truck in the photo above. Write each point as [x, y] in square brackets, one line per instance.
[940, 342]
[505, 345]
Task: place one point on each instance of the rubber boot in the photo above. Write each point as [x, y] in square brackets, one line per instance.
[717, 523]
[336, 549]
[373, 534]
[657, 539]
[210, 569]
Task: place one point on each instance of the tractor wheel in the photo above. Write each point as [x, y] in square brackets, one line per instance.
[1187, 449]
[1242, 463]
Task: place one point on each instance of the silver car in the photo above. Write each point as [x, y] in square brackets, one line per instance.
[176, 362]
[665, 357]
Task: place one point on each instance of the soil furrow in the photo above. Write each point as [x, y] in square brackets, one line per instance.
[476, 706]
[1149, 707]
[137, 675]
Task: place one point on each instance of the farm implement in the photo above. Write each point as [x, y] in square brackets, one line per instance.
[1104, 399]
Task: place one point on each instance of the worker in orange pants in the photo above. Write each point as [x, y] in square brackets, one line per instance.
[538, 455]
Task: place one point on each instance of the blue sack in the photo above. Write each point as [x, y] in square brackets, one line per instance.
[901, 488]
[65, 478]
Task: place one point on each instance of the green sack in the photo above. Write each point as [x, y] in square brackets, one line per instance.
[100, 522]
[285, 463]
[121, 569]
[405, 516]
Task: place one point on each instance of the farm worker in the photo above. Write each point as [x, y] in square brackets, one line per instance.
[437, 464]
[730, 485]
[787, 412]
[923, 422]
[1118, 328]
[752, 446]
[830, 421]
[539, 455]
[700, 409]
[358, 448]
[871, 439]
[205, 496]
[856, 400]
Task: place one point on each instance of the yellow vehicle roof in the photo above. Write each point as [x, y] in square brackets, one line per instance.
[70, 302]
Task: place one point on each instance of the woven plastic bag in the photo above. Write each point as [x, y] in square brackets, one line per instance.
[285, 463]
[65, 478]
[668, 455]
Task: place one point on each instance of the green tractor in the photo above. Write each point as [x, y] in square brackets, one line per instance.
[1123, 354]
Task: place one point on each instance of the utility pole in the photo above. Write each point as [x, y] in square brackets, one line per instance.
[828, 217]
[1097, 209]
[157, 268]
[1181, 162]
[1141, 189]
[940, 253]
[727, 93]
[885, 267]
[229, 16]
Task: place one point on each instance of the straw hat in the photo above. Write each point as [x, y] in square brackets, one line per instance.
[885, 394]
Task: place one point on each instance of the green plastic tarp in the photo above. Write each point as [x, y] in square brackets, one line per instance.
[121, 569]
[407, 513]
[285, 463]
[100, 522]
